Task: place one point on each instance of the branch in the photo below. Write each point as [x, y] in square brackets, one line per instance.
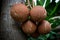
[44, 3]
[29, 4]
[32, 3]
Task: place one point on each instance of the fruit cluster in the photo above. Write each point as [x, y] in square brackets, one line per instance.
[36, 24]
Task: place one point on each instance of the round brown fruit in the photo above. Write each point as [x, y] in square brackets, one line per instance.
[44, 27]
[38, 13]
[19, 12]
[29, 27]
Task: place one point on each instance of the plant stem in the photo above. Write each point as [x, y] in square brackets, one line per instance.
[44, 3]
[55, 17]
[29, 4]
[32, 3]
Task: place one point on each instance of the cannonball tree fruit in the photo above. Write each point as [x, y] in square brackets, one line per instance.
[19, 12]
[44, 27]
[29, 27]
[38, 13]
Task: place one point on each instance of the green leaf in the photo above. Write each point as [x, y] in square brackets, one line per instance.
[47, 35]
[55, 21]
[52, 9]
[40, 2]
[48, 2]
[53, 32]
